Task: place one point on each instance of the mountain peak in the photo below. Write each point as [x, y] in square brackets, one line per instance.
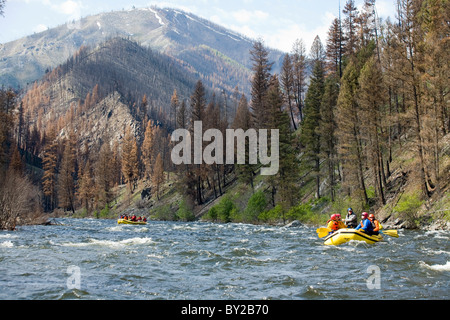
[181, 35]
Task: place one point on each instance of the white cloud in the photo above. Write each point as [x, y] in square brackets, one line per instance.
[247, 31]
[69, 7]
[284, 38]
[44, 2]
[284, 33]
[244, 16]
[189, 7]
[39, 28]
[385, 9]
[277, 31]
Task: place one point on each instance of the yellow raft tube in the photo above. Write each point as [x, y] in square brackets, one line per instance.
[345, 235]
[123, 221]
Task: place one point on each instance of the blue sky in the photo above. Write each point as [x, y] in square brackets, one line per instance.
[278, 22]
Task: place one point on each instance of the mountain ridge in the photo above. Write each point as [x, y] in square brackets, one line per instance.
[101, 91]
[174, 32]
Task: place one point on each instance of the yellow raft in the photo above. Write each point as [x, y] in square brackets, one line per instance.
[345, 235]
[123, 221]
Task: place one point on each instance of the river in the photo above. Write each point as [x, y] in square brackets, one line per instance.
[98, 259]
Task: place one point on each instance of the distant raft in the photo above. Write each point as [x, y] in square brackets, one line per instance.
[123, 221]
[345, 235]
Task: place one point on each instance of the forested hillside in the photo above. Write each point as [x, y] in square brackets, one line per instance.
[117, 66]
[367, 128]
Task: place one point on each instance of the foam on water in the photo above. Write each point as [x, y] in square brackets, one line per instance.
[114, 229]
[7, 236]
[186, 227]
[436, 267]
[110, 243]
[6, 244]
[155, 256]
[438, 252]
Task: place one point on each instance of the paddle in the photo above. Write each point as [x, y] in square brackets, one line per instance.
[391, 233]
[323, 232]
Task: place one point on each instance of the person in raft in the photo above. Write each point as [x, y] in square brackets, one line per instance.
[335, 223]
[375, 224]
[351, 220]
[366, 224]
[341, 224]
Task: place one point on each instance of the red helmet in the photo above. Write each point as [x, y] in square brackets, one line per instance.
[365, 215]
[333, 216]
[371, 216]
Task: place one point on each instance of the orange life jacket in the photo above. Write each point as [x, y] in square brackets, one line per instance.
[375, 225]
[334, 225]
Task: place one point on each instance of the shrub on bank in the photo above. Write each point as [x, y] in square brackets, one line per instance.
[255, 206]
[224, 211]
[184, 213]
[408, 207]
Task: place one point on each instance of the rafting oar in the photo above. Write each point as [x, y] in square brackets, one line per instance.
[323, 232]
[391, 233]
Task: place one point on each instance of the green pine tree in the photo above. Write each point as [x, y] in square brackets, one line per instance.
[285, 182]
[310, 133]
[328, 130]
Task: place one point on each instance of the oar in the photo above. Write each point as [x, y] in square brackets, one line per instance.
[391, 233]
[323, 232]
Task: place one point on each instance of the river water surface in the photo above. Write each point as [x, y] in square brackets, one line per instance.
[98, 259]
